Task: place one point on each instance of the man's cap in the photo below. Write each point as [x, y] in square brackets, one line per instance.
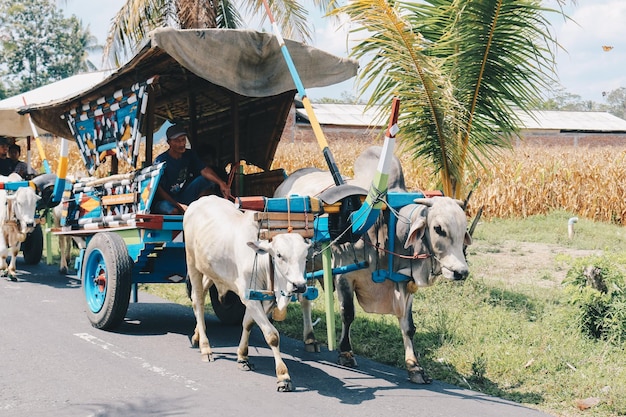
[5, 141]
[175, 131]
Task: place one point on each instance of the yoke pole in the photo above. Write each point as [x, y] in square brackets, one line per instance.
[42, 153]
[317, 130]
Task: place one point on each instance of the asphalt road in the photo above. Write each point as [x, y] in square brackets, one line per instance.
[53, 363]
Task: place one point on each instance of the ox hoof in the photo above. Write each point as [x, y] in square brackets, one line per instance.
[312, 346]
[347, 359]
[244, 365]
[418, 376]
[284, 386]
[207, 357]
[194, 343]
[63, 271]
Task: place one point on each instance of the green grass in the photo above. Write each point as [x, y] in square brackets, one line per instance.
[512, 340]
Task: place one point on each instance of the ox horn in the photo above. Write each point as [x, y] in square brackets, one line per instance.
[475, 221]
[424, 201]
[469, 194]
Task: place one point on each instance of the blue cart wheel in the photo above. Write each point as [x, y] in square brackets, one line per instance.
[107, 278]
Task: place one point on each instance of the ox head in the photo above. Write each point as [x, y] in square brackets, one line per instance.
[24, 204]
[438, 227]
[288, 252]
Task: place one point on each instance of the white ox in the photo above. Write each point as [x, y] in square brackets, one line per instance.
[434, 229]
[65, 242]
[222, 248]
[17, 219]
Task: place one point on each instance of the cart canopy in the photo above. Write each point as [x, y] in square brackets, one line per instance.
[231, 88]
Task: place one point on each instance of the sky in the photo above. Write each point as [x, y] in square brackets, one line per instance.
[584, 67]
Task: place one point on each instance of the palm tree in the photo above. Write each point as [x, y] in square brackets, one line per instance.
[460, 67]
[137, 17]
[89, 44]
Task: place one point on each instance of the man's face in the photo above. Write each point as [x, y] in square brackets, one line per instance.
[14, 154]
[4, 148]
[178, 144]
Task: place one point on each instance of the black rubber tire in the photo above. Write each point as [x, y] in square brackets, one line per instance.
[32, 247]
[231, 311]
[108, 250]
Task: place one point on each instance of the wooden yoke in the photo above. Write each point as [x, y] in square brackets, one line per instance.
[273, 224]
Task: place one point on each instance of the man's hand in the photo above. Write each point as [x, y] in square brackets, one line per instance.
[225, 189]
[182, 207]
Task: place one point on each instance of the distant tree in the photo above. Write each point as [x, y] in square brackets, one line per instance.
[90, 44]
[616, 102]
[562, 100]
[346, 97]
[39, 45]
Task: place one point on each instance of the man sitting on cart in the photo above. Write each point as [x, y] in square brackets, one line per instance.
[186, 177]
[6, 164]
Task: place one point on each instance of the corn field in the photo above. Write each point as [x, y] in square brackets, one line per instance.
[530, 180]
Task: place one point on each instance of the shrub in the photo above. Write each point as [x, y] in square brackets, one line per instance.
[596, 286]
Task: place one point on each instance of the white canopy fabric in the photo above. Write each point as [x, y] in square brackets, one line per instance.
[15, 125]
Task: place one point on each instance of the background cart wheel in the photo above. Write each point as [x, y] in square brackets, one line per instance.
[32, 247]
[107, 278]
[230, 310]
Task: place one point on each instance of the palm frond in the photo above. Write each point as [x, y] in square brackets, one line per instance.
[132, 23]
[290, 16]
[228, 16]
[399, 66]
[499, 57]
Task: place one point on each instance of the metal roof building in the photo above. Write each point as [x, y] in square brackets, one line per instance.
[575, 128]
[572, 121]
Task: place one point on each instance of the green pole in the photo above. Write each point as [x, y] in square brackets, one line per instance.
[328, 295]
[48, 238]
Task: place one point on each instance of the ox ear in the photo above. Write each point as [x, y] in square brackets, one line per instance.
[261, 247]
[416, 232]
[468, 239]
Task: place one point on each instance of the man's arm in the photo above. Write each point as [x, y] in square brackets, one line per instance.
[209, 174]
[164, 195]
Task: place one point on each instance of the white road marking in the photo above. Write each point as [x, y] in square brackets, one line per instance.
[188, 383]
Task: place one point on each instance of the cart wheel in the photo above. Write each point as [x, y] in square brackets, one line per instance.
[231, 310]
[107, 279]
[32, 247]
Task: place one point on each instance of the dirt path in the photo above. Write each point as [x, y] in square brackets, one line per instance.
[528, 263]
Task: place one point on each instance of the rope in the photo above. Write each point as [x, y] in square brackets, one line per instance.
[289, 227]
[414, 256]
